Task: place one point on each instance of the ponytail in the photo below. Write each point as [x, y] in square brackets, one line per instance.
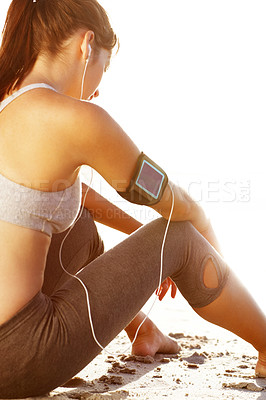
[17, 57]
[38, 27]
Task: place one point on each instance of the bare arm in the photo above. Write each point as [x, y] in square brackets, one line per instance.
[107, 213]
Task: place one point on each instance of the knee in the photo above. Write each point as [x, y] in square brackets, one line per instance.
[213, 276]
[210, 276]
[204, 273]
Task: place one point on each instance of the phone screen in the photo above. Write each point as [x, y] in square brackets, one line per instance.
[150, 179]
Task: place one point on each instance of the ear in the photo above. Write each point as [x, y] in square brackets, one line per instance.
[87, 41]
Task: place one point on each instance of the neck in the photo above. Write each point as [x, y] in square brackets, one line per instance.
[65, 78]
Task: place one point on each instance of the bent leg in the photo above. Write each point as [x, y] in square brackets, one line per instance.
[83, 245]
[51, 338]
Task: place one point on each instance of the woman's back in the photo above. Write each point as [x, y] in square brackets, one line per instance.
[32, 161]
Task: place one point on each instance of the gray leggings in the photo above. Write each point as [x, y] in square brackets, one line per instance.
[49, 340]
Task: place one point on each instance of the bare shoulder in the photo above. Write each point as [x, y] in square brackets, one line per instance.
[57, 134]
[69, 133]
[91, 136]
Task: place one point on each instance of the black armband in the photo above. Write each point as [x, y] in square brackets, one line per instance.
[147, 184]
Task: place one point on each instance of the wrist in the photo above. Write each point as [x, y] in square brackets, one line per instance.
[199, 219]
[208, 233]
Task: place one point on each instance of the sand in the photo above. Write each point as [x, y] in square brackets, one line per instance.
[212, 364]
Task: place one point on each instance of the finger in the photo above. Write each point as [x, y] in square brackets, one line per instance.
[173, 290]
[161, 296]
[160, 288]
[164, 290]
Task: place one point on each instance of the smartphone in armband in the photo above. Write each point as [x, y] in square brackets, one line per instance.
[147, 184]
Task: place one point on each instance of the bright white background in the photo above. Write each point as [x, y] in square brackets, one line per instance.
[189, 86]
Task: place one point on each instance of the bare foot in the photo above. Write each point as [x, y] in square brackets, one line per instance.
[150, 339]
[261, 366]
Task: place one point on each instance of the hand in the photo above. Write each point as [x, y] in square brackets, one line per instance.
[163, 289]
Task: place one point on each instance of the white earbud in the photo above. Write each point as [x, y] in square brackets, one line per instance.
[89, 51]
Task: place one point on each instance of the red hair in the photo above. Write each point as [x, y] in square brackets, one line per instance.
[43, 26]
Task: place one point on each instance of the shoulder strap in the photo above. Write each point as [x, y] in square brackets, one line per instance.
[21, 91]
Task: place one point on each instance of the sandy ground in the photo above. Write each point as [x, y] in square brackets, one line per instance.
[213, 364]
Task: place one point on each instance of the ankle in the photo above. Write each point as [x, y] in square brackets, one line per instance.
[147, 327]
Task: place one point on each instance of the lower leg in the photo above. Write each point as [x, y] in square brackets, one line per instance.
[150, 340]
[236, 311]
